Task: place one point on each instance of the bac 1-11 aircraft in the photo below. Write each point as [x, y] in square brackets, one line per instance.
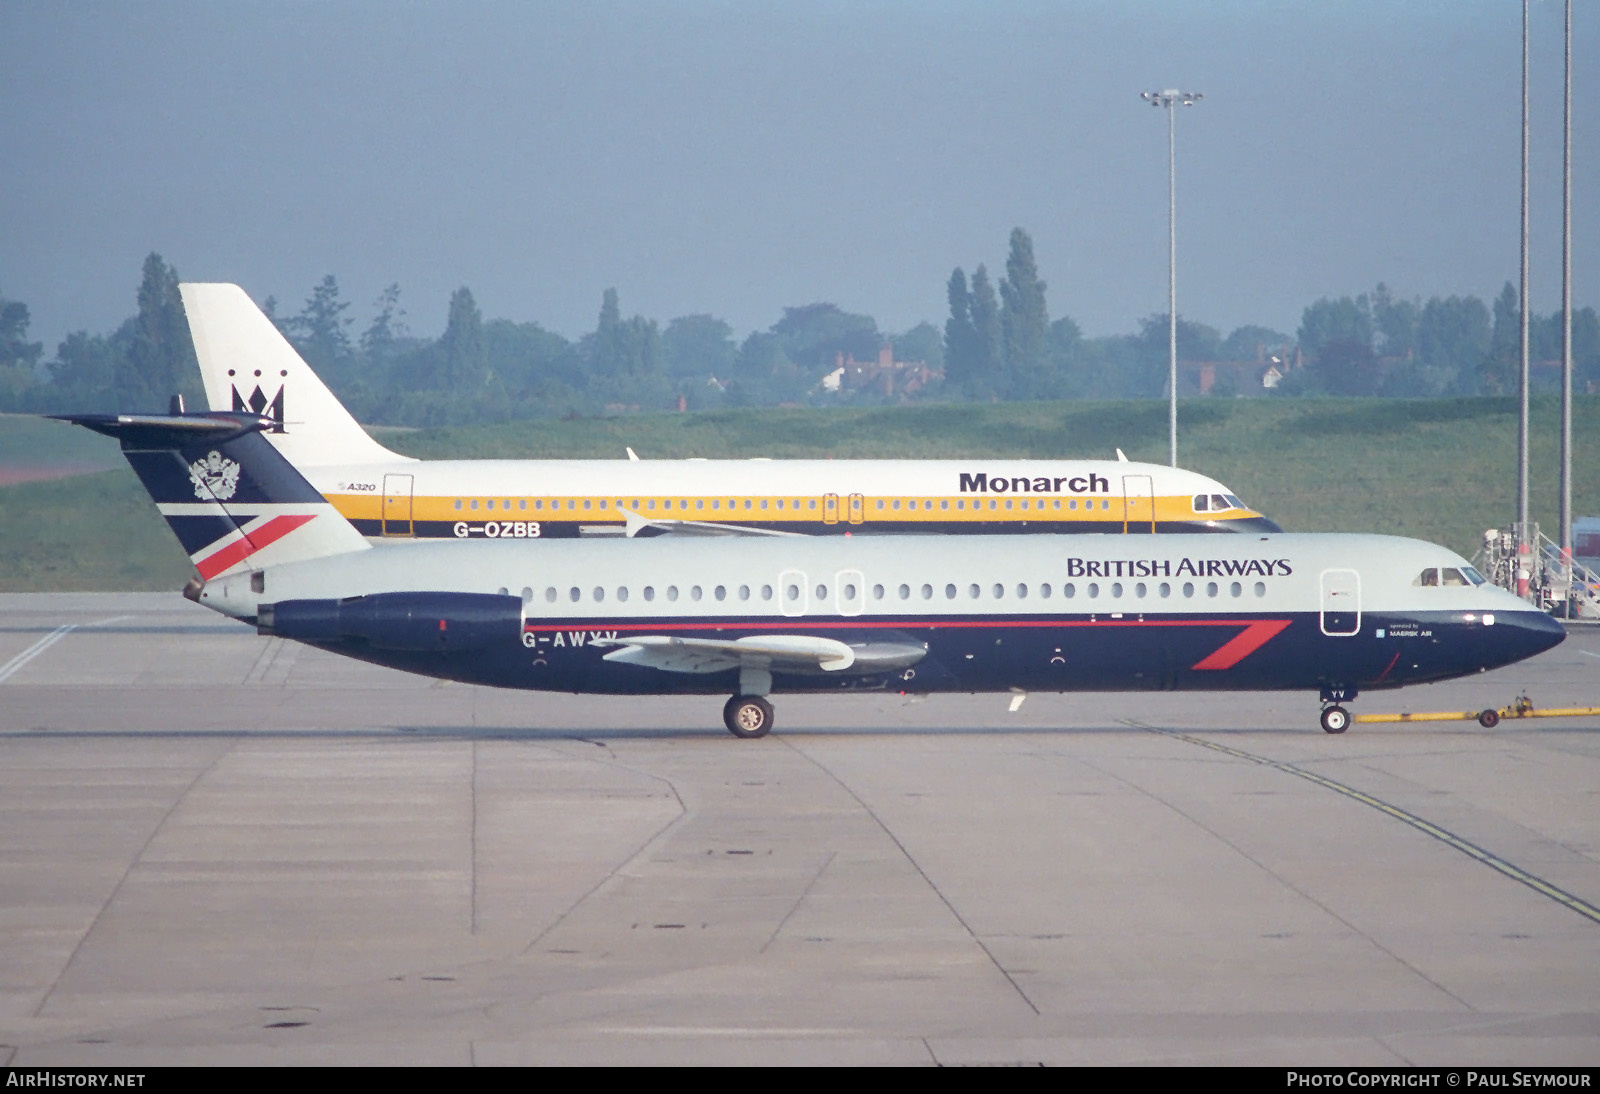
[249, 367]
[752, 616]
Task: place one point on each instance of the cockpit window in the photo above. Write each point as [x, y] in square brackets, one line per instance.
[1448, 575]
[1216, 503]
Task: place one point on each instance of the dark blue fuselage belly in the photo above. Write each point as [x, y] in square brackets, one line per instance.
[1219, 652]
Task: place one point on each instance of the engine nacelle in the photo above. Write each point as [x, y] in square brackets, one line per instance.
[398, 621]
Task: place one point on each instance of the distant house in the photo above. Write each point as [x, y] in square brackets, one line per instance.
[886, 376]
[1256, 377]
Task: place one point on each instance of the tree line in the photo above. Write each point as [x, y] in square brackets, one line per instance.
[998, 343]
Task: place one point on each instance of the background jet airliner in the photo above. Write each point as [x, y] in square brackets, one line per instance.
[750, 616]
[248, 366]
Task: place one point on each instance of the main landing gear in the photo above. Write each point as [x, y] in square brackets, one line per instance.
[1336, 719]
[748, 716]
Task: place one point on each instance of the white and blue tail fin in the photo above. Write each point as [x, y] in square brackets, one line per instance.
[250, 368]
[234, 502]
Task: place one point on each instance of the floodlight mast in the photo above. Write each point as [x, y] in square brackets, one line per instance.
[1168, 99]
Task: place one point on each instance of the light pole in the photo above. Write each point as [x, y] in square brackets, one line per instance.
[1169, 99]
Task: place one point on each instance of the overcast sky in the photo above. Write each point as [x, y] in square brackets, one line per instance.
[737, 158]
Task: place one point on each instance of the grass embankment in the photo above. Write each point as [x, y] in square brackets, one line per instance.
[1442, 470]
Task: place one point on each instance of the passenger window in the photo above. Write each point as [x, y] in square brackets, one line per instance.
[672, 592]
[599, 594]
[1211, 588]
[714, 503]
[586, 503]
[744, 592]
[602, 503]
[699, 503]
[895, 504]
[974, 592]
[1072, 503]
[1139, 590]
[489, 504]
[949, 592]
[780, 503]
[1261, 588]
[1116, 589]
[574, 593]
[527, 595]
[1235, 589]
[822, 592]
[1094, 590]
[1044, 590]
[458, 503]
[877, 592]
[649, 592]
[1188, 588]
[522, 503]
[999, 591]
[793, 591]
[766, 592]
[1069, 590]
[1165, 589]
[944, 503]
[474, 503]
[720, 593]
[905, 592]
[622, 593]
[550, 595]
[694, 592]
[849, 592]
[1022, 592]
[927, 592]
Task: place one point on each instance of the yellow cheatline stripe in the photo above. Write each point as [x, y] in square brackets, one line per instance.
[1488, 858]
[428, 507]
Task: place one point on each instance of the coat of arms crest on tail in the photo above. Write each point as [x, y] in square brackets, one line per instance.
[215, 476]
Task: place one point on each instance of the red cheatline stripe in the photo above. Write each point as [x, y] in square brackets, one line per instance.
[241, 549]
[1255, 635]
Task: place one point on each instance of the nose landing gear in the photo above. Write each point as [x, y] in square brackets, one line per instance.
[1336, 719]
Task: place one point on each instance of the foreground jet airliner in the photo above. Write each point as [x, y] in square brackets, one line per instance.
[249, 367]
[751, 616]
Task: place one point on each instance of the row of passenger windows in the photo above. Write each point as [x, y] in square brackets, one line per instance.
[849, 593]
[756, 504]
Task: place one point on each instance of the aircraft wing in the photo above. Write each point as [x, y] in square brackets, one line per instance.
[772, 652]
[636, 524]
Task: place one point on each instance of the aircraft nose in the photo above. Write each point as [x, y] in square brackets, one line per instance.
[1529, 634]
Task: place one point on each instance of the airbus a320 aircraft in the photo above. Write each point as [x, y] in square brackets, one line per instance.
[249, 367]
[752, 616]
